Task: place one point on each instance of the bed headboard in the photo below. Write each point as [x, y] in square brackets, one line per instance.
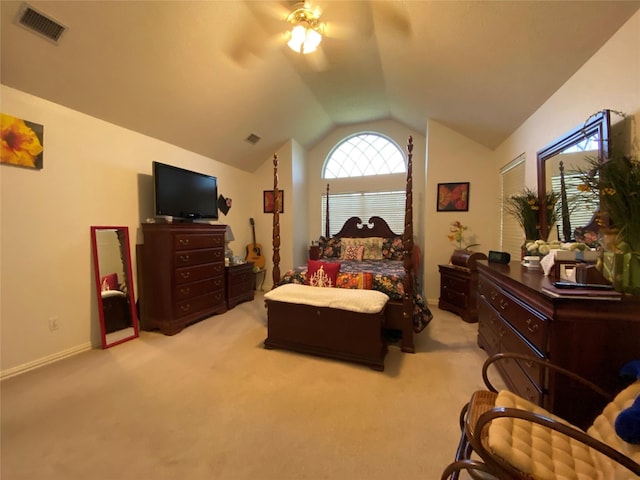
[356, 228]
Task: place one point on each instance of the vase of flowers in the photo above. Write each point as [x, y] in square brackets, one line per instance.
[616, 183]
[457, 236]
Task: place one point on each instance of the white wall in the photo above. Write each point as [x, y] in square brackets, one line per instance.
[95, 173]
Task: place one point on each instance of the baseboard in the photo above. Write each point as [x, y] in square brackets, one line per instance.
[12, 372]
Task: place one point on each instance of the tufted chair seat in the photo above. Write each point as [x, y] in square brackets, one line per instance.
[516, 439]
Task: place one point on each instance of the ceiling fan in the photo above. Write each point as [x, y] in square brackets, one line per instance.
[313, 29]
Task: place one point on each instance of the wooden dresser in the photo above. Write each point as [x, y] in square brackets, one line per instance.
[239, 283]
[593, 338]
[182, 278]
[458, 284]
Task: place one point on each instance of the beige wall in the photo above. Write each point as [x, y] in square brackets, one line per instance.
[95, 173]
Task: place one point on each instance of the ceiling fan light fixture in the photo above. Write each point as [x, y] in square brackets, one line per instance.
[306, 33]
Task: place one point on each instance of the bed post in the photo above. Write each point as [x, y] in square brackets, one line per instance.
[326, 217]
[407, 241]
[276, 224]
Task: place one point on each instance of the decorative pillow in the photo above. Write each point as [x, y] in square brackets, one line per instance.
[109, 282]
[372, 248]
[362, 281]
[353, 252]
[322, 274]
[329, 248]
[392, 248]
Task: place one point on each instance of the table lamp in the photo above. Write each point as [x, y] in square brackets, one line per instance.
[228, 237]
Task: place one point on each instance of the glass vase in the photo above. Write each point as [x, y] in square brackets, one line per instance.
[631, 273]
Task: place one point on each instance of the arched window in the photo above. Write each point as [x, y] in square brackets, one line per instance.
[361, 155]
[364, 154]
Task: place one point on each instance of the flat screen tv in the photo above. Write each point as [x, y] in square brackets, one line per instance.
[184, 194]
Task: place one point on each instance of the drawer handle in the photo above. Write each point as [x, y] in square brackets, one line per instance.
[532, 326]
[185, 275]
[502, 332]
[493, 295]
[528, 363]
[184, 241]
[184, 258]
[185, 308]
[503, 304]
[185, 291]
[218, 283]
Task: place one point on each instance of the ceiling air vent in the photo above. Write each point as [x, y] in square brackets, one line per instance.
[253, 139]
[39, 23]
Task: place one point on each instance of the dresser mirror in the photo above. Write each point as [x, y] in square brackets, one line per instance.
[557, 164]
[114, 285]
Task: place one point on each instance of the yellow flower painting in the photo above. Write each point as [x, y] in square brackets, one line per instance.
[21, 142]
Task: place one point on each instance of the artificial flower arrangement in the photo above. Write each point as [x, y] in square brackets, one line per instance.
[457, 236]
[525, 207]
[542, 248]
[616, 183]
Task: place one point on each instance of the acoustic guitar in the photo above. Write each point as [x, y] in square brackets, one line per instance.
[254, 250]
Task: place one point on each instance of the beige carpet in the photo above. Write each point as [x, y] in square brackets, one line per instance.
[211, 403]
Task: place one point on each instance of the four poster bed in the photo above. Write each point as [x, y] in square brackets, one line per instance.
[369, 256]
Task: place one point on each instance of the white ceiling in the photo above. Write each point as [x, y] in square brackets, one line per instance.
[191, 74]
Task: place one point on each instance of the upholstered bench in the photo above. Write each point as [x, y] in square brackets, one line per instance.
[338, 323]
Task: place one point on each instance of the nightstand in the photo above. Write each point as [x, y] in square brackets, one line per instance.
[239, 280]
[459, 285]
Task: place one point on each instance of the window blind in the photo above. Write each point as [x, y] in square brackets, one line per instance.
[512, 182]
[581, 209]
[342, 206]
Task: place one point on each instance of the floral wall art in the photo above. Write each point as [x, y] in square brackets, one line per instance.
[21, 142]
[453, 197]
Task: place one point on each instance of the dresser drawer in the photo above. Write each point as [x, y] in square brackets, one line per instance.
[488, 328]
[196, 304]
[191, 241]
[200, 272]
[197, 257]
[190, 290]
[455, 283]
[531, 325]
[457, 298]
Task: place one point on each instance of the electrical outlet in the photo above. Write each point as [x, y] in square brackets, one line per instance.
[53, 323]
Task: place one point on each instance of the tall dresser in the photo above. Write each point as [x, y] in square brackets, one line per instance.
[593, 338]
[182, 278]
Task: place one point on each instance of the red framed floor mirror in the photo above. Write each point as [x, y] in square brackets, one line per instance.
[114, 285]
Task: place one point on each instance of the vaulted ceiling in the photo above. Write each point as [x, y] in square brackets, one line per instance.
[204, 75]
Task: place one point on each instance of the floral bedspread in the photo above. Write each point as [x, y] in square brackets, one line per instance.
[383, 275]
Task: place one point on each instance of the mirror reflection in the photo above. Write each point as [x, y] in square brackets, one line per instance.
[558, 166]
[577, 209]
[114, 286]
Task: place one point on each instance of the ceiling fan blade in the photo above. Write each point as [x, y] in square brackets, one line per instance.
[347, 20]
[318, 60]
[394, 16]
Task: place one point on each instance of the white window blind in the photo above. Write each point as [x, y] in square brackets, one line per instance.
[512, 182]
[342, 206]
[581, 209]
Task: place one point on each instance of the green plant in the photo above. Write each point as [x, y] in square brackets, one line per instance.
[457, 236]
[616, 183]
[525, 207]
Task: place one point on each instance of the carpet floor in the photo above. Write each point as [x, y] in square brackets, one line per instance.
[212, 403]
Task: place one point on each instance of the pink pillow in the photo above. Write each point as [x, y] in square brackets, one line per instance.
[110, 282]
[353, 252]
[322, 274]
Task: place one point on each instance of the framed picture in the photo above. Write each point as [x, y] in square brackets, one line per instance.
[268, 201]
[453, 197]
[22, 142]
